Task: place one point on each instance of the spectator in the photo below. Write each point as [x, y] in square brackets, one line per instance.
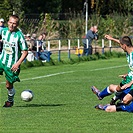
[1, 27]
[1, 24]
[44, 38]
[41, 48]
[33, 41]
[91, 34]
[28, 40]
[30, 56]
[34, 45]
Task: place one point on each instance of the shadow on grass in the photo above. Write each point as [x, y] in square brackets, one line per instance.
[41, 105]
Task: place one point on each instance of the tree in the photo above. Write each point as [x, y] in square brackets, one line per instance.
[123, 7]
[42, 6]
[7, 7]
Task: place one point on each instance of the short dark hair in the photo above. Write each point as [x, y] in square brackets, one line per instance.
[126, 40]
[15, 17]
[44, 33]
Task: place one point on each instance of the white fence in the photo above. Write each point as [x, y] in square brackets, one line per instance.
[76, 43]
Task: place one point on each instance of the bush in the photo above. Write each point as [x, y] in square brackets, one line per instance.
[77, 59]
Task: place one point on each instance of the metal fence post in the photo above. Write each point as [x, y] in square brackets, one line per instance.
[87, 47]
[110, 45]
[78, 48]
[48, 51]
[59, 52]
[102, 46]
[69, 48]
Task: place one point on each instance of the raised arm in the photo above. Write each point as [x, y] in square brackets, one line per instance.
[111, 38]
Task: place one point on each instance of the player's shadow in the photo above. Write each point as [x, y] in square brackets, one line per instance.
[41, 105]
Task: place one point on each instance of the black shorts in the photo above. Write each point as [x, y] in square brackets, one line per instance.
[121, 84]
[131, 92]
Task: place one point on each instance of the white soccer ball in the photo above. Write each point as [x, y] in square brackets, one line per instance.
[27, 95]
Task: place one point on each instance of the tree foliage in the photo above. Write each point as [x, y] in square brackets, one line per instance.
[123, 7]
[101, 7]
[67, 28]
[8, 7]
[42, 6]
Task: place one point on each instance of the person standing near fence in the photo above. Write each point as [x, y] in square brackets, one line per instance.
[43, 54]
[13, 54]
[1, 27]
[92, 33]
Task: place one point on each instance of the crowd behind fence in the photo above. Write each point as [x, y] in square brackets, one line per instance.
[75, 44]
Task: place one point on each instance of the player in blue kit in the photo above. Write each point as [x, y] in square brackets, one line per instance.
[119, 106]
[126, 44]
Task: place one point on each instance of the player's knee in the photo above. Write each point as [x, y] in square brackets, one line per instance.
[9, 86]
[126, 101]
[111, 108]
[108, 109]
[112, 88]
[118, 88]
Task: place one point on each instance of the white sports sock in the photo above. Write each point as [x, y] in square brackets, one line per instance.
[109, 90]
[117, 95]
[11, 94]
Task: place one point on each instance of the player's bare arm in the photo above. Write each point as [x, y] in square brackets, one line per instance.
[18, 63]
[127, 85]
[111, 38]
[123, 76]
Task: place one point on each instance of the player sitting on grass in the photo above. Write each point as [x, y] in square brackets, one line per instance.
[112, 89]
[119, 106]
[126, 44]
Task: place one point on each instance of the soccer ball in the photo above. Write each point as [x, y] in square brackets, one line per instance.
[27, 95]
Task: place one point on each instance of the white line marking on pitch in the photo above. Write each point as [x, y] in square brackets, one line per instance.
[54, 74]
[107, 68]
[49, 75]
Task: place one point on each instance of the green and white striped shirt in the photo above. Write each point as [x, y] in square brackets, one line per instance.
[13, 45]
[130, 60]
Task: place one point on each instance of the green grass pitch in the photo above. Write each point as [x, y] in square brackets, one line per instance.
[63, 101]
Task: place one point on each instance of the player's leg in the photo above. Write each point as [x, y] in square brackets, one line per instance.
[127, 108]
[111, 108]
[126, 94]
[11, 93]
[11, 77]
[107, 107]
[115, 108]
[102, 107]
[119, 95]
[105, 92]
[128, 98]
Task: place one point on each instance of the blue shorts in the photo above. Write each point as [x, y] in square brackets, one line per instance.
[124, 92]
[129, 107]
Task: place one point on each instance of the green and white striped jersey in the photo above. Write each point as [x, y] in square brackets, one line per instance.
[130, 60]
[13, 45]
